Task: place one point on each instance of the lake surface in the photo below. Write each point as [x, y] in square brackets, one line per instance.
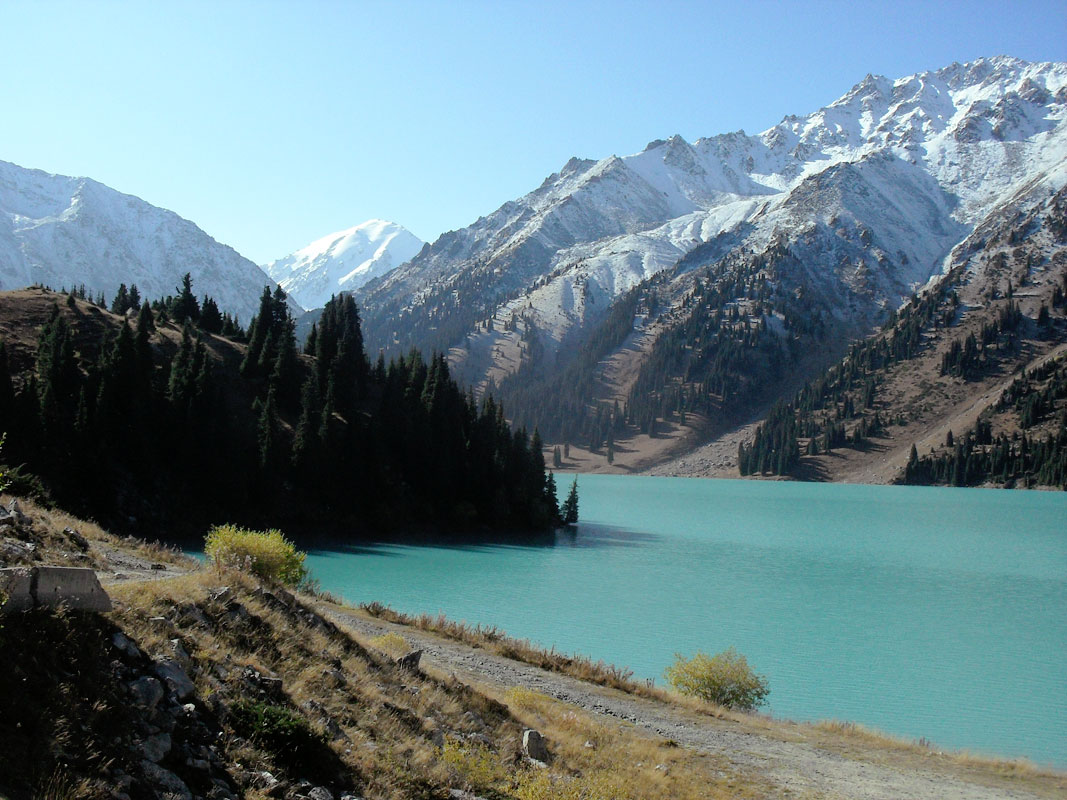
[919, 611]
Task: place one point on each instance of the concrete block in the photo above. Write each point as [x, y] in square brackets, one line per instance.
[50, 587]
[74, 587]
[17, 584]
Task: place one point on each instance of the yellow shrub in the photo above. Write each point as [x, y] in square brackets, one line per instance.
[521, 697]
[475, 764]
[390, 643]
[267, 554]
[726, 679]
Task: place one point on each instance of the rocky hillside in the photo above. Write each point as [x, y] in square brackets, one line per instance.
[64, 232]
[813, 229]
[970, 373]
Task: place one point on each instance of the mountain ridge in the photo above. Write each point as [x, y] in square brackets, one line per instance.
[63, 231]
[840, 214]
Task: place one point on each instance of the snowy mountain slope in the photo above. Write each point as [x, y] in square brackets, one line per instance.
[60, 231]
[892, 175]
[343, 261]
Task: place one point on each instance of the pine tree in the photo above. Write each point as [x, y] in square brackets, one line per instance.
[210, 317]
[122, 300]
[570, 505]
[185, 305]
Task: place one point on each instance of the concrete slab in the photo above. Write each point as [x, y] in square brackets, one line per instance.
[51, 587]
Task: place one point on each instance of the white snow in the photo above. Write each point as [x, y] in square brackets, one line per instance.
[343, 261]
[911, 164]
[64, 232]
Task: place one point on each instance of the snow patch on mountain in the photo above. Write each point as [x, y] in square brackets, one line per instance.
[343, 261]
[872, 192]
[60, 231]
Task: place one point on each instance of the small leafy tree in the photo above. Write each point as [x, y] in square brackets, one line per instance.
[726, 679]
[267, 554]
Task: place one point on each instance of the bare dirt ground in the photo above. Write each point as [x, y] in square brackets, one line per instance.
[800, 760]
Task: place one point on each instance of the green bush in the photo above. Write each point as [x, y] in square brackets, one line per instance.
[267, 554]
[282, 733]
[726, 679]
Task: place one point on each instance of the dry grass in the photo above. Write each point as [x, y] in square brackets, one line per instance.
[47, 526]
[496, 641]
[1005, 767]
[405, 734]
[605, 760]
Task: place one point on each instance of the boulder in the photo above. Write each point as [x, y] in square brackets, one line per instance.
[221, 595]
[79, 541]
[147, 692]
[174, 677]
[410, 661]
[533, 745]
[123, 644]
[155, 748]
[166, 780]
[320, 793]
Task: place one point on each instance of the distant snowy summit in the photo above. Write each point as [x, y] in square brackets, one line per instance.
[59, 231]
[343, 261]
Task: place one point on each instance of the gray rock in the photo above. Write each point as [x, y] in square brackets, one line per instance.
[320, 793]
[264, 780]
[123, 644]
[155, 748]
[164, 720]
[533, 745]
[178, 651]
[334, 677]
[410, 661]
[174, 677]
[14, 510]
[79, 541]
[166, 780]
[147, 692]
[221, 595]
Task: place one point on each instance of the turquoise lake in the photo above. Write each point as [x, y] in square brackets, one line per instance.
[923, 612]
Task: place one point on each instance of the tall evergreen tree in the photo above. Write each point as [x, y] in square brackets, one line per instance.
[185, 306]
[570, 505]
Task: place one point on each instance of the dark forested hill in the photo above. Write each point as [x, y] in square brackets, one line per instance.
[157, 419]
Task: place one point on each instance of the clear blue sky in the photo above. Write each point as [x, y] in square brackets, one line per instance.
[270, 124]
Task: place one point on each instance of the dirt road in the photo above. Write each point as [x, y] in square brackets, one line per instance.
[797, 758]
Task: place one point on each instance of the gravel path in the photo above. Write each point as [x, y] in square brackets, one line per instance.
[797, 767]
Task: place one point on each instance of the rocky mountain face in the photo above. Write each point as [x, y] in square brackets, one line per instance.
[343, 261]
[836, 217]
[59, 232]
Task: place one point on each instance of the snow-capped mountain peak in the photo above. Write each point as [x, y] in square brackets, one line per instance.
[343, 261]
[60, 231]
[890, 176]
